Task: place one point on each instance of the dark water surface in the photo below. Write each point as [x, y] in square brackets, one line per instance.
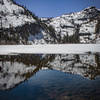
[53, 77]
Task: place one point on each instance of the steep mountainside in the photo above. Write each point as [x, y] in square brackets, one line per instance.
[77, 27]
[20, 26]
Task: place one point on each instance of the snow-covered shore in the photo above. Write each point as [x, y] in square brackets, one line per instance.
[49, 49]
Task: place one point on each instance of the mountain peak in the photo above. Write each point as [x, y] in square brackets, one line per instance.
[91, 9]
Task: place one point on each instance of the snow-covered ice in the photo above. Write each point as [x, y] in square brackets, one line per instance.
[49, 49]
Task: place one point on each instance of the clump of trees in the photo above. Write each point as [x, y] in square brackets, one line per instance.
[15, 35]
[49, 30]
[97, 29]
[71, 39]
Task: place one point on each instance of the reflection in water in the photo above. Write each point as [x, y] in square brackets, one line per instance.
[16, 69]
[51, 84]
[84, 65]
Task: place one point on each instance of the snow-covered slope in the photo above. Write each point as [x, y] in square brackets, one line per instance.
[13, 15]
[82, 25]
[16, 23]
[19, 25]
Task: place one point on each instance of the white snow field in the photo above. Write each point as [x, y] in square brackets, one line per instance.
[49, 49]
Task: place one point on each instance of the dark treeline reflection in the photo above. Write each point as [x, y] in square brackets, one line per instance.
[14, 69]
[37, 60]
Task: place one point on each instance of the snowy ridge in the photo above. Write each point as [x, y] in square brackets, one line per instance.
[82, 23]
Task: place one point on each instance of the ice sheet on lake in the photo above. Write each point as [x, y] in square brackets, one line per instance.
[49, 49]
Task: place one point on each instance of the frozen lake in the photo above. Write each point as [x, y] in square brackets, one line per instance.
[49, 49]
[50, 72]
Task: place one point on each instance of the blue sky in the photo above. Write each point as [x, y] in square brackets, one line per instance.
[53, 8]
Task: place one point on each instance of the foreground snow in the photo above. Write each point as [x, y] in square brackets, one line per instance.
[49, 49]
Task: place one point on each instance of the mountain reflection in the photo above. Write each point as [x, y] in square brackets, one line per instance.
[15, 69]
